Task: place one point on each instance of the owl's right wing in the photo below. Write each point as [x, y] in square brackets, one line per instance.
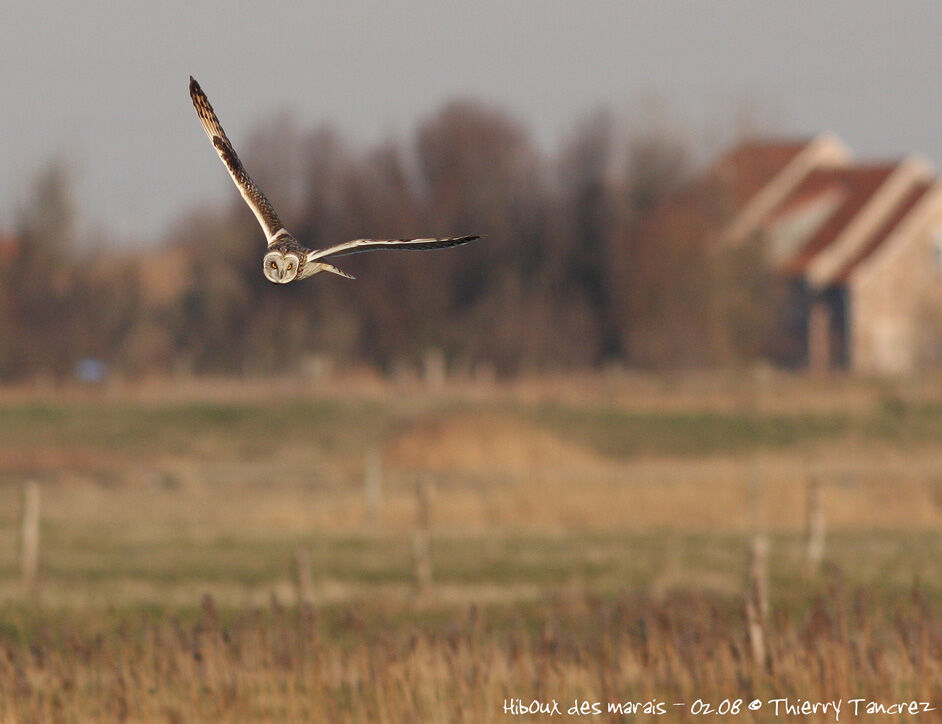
[358, 246]
[256, 200]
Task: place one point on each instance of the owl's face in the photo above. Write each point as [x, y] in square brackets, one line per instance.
[280, 267]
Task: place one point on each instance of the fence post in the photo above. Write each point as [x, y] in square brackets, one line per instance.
[434, 368]
[373, 488]
[815, 525]
[422, 534]
[29, 542]
[757, 599]
[757, 596]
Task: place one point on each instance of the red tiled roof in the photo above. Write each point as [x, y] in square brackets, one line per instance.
[855, 184]
[703, 205]
[748, 167]
[882, 233]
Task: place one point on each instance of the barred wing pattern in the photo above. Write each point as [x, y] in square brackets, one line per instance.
[358, 246]
[286, 259]
[256, 200]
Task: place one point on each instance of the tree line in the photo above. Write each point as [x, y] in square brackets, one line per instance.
[586, 261]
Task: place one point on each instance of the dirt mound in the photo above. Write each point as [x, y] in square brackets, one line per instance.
[481, 443]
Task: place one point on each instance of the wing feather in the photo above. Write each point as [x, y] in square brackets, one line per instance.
[255, 199]
[358, 246]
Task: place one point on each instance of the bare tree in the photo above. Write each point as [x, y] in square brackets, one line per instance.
[600, 250]
[39, 284]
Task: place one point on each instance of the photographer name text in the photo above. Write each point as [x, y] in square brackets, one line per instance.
[784, 707]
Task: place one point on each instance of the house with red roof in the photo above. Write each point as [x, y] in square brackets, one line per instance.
[859, 242]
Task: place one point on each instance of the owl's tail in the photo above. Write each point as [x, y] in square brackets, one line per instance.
[320, 266]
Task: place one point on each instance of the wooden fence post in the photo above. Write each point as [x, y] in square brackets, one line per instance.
[757, 599]
[29, 542]
[757, 595]
[373, 488]
[434, 368]
[814, 549]
[422, 534]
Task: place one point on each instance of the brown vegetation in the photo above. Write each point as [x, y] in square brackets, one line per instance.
[210, 553]
[369, 664]
[573, 272]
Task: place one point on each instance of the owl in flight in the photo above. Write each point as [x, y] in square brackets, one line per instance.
[286, 259]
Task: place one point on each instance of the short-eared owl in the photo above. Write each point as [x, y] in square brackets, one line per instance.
[286, 259]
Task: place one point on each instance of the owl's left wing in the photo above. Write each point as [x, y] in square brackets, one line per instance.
[358, 246]
[256, 200]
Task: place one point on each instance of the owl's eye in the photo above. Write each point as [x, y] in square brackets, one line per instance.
[273, 265]
[290, 267]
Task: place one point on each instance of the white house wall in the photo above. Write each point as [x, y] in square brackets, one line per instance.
[894, 295]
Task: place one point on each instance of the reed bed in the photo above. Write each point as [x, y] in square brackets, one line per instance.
[374, 663]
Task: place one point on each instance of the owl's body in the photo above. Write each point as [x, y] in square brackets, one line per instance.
[287, 260]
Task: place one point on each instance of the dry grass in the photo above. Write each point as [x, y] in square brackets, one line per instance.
[371, 664]
[303, 492]
[589, 541]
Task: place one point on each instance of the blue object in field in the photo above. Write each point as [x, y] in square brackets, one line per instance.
[90, 370]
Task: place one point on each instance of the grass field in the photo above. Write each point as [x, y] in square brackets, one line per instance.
[589, 539]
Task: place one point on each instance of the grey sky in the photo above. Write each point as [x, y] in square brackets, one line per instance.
[106, 82]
